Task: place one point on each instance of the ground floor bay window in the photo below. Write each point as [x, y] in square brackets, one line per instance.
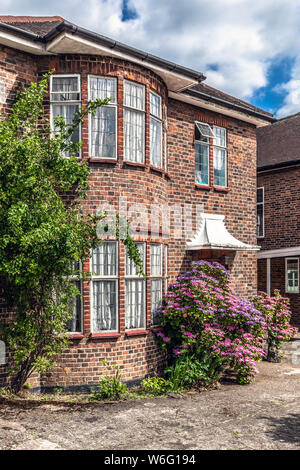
[113, 296]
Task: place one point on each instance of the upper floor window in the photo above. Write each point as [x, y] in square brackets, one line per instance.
[155, 130]
[134, 122]
[292, 275]
[220, 156]
[103, 125]
[203, 133]
[105, 287]
[135, 292]
[65, 99]
[260, 213]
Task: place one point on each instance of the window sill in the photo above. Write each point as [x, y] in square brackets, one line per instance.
[136, 333]
[76, 336]
[220, 189]
[105, 335]
[135, 164]
[156, 169]
[203, 186]
[112, 161]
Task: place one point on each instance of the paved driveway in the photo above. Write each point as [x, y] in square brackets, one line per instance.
[264, 415]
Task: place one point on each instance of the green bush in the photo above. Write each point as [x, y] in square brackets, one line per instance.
[156, 386]
[110, 388]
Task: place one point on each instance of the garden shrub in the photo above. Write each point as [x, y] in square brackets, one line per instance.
[156, 386]
[110, 387]
[204, 320]
[276, 311]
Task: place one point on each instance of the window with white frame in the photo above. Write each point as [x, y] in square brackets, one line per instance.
[203, 132]
[156, 129]
[104, 285]
[135, 292]
[134, 122]
[166, 269]
[156, 257]
[260, 212]
[220, 156]
[166, 139]
[74, 325]
[103, 125]
[65, 100]
[292, 275]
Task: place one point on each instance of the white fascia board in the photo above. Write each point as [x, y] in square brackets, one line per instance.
[22, 44]
[279, 253]
[219, 109]
[67, 43]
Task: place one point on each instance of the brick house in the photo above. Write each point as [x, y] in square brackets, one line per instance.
[166, 139]
[278, 208]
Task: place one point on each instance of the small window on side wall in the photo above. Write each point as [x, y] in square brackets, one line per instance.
[260, 213]
[292, 275]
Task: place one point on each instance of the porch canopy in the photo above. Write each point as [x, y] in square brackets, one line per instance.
[213, 235]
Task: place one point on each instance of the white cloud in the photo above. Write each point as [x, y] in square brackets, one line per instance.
[239, 37]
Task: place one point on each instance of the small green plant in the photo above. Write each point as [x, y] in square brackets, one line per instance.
[110, 388]
[156, 386]
[186, 371]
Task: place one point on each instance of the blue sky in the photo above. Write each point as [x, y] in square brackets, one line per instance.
[245, 48]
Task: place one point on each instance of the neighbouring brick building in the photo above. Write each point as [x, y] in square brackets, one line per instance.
[278, 208]
[165, 140]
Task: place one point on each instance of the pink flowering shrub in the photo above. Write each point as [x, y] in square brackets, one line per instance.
[201, 317]
[277, 314]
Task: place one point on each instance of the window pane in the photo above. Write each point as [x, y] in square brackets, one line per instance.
[103, 88]
[201, 163]
[260, 195]
[203, 131]
[156, 298]
[220, 139]
[74, 324]
[155, 142]
[104, 259]
[134, 136]
[104, 305]
[68, 86]
[103, 132]
[67, 111]
[134, 96]
[135, 303]
[260, 225]
[130, 268]
[219, 167]
[292, 275]
[155, 105]
[155, 260]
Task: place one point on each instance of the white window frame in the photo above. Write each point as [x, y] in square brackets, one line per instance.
[205, 143]
[129, 277]
[226, 155]
[143, 112]
[78, 278]
[160, 121]
[166, 138]
[110, 105]
[96, 277]
[286, 275]
[263, 211]
[156, 277]
[73, 102]
[166, 248]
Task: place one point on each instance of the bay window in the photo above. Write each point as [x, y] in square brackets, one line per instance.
[105, 287]
[135, 292]
[220, 157]
[156, 278]
[155, 130]
[65, 101]
[103, 125]
[134, 122]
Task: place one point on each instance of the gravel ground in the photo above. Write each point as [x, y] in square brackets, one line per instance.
[264, 415]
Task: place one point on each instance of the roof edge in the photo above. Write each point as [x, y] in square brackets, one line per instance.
[278, 166]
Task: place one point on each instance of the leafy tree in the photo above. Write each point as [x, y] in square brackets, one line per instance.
[43, 229]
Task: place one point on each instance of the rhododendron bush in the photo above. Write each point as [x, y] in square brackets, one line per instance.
[276, 311]
[202, 317]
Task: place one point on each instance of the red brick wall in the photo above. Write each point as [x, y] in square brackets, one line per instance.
[138, 355]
